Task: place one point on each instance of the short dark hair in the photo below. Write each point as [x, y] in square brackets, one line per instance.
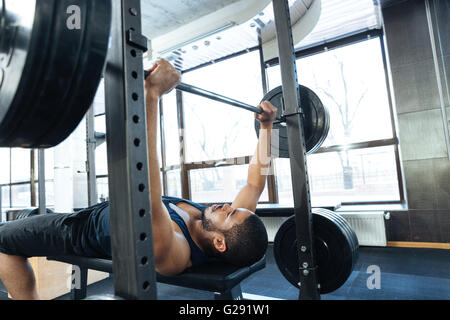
[246, 242]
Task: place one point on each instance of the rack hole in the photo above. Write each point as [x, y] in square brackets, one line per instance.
[133, 12]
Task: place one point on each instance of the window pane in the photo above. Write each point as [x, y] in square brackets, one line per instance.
[220, 184]
[49, 164]
[171, 132]
[174, 183]
[4, 165]
[5, 197]
[214, 130]
[99, 100]
[20, 195]
[347, 176]
[20, 165]
[102, 189]
[351, 83]
[101, 160]
[49, 194]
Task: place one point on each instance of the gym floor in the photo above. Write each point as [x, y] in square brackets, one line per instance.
[406, 274]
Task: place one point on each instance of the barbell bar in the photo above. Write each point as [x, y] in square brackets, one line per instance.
[213, 96]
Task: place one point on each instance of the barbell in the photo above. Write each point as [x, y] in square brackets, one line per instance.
[316, 118]
[50, 72]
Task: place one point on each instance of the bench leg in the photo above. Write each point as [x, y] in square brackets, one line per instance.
[232, 294]
[79, 283]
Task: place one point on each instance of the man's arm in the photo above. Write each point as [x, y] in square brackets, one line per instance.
[259, 166]
[165, 241]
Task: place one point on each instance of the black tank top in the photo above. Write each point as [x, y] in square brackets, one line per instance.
[97, 237]
[197, 256]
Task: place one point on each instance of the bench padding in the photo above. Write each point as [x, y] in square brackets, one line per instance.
[213, 276]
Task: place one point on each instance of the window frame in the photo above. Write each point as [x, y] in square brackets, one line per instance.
[272, 183]
[346, 40]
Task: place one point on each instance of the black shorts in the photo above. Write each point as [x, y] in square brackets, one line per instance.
[52, 234]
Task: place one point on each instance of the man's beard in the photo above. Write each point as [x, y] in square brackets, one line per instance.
[206, 223]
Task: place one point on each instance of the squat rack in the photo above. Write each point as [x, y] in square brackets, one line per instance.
[129, 187]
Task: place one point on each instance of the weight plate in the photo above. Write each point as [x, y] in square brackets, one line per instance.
[334, 251]
[350, 234]
[26, 213]
[342, 222]
[316, 121]
[57, 71]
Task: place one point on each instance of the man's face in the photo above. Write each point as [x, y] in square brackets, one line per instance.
[223, 217]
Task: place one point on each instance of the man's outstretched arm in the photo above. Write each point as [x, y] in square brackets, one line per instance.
[259, 166]
[163, 78]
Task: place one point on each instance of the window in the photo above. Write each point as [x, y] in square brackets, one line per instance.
[214, 130]
[171, 131]
[49, 194]
[351, 83]
[5, 166]
[16, 178]
[102, 189]
[358, 162]
[20, 165]
[219, 184]
[359, 175]
[174, 183]
[20, 195]
[101, 160]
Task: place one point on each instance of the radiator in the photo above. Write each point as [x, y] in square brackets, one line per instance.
[272, 225]
[369, 227]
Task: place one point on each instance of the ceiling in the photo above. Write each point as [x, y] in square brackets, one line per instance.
[170, 18]
[160, 17]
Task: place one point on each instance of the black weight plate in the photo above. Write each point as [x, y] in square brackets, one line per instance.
[334, 271]
[26, 213]
[343, 224]
[60, 77]
[350, 234]
[334, 252]
[316, 121]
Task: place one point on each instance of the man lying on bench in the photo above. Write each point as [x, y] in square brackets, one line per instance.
[185, 234]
